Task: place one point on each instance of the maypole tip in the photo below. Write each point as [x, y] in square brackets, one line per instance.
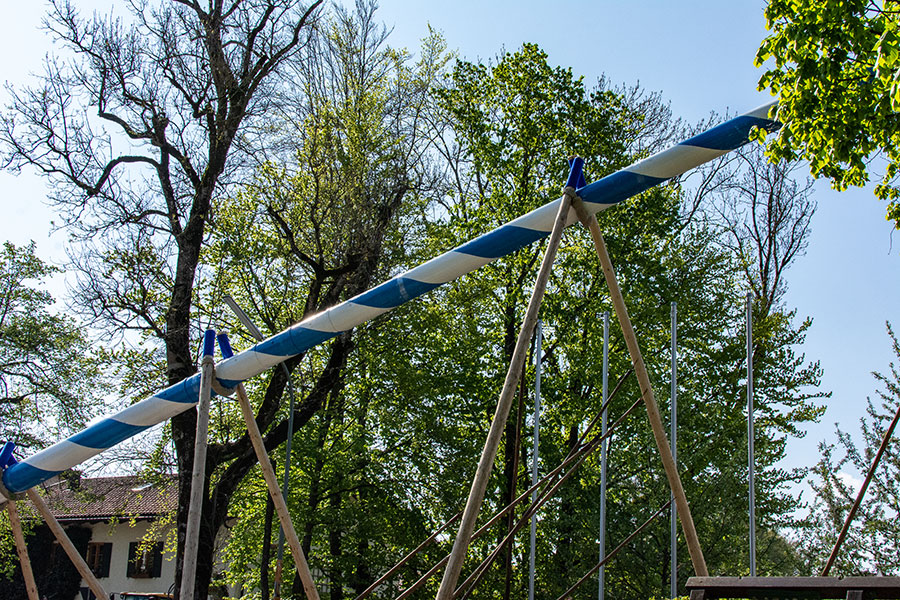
[576, 173]
[225, 344]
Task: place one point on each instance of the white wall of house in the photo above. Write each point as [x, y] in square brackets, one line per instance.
[121, 535]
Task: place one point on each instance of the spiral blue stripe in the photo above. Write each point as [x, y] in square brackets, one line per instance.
[25, 476]
[730, 134]
[185, 391]
[394, 292]
[501, 241]
[105, 434]
[296, 337]
[507, 238]
[616, 187]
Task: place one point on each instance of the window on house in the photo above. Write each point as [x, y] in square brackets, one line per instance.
[97, 558]
[144, 561]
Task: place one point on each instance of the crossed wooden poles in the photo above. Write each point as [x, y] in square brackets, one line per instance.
[469, 515]
[466, 530]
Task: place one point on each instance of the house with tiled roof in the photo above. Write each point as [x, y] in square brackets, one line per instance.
[120, 526]
[128, 518]
[118, 523]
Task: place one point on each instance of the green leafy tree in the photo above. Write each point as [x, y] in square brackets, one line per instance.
[51, 379]
[835, 67]
[139, 125]
[872, 545]
[441, 372]
[317, 227]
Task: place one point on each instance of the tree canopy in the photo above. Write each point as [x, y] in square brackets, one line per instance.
[51, 379]
[344, 161]
[835, 67]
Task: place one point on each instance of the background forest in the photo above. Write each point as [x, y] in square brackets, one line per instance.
[290, 157]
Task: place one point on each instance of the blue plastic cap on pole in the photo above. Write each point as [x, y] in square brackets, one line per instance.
[209, 342]
[6, 455]
[576, 175]
[225, 345]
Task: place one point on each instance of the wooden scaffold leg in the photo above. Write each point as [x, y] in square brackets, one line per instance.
[83, 569]
[447, 588]
[268, 471]
[21, 549]
[640, 369]
[198, 474]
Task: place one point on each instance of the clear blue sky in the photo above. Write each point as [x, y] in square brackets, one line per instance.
[699, 55]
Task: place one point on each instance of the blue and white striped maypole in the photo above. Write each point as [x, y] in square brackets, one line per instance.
[327, 324]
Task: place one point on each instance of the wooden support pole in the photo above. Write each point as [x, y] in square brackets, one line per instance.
[640, 369]
[489, 453]
[83, 569]
[862, 492]
[575, 455]
[22, 549]
[275, 493]
[198, 482]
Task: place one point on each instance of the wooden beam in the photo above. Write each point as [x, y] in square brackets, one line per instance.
[792, 587]
[281, 508]
[861, 494]
[447, 588]
[198, 482]
[21, 549]
[83, 569]
[640, 370]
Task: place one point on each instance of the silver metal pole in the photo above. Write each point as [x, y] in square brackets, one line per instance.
[604, 457]
[539, 331]
[673, 433]
[750, 449]
[256, 333]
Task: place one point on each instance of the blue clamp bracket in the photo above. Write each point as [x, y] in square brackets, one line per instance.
[576, 174]
[224, 345]
[6, 456]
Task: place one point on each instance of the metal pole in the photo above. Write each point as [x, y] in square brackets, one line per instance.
[673, 432]
[750, 449]
[256, 333]
[604, 459]
[538, 352]
[198, 476]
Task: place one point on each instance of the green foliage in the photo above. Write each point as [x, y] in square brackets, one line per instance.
[387, 455]
[837, 74]
[872, 545]
[51, 381]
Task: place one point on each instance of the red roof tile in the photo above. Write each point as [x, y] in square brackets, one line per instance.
[104, 498]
